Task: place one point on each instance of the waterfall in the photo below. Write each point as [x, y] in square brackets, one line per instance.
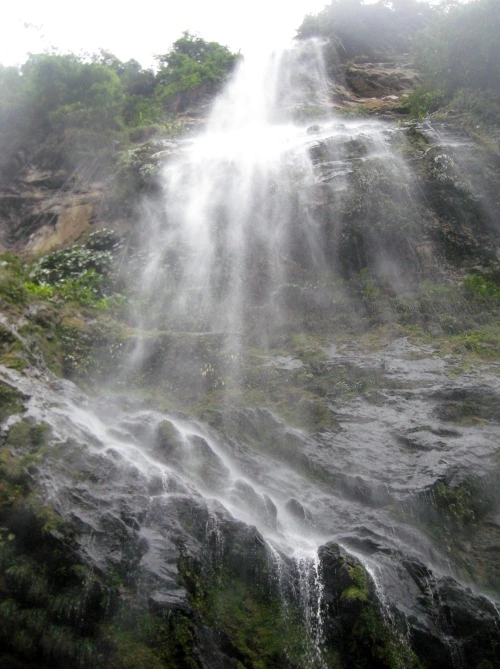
[234, 204]
[257, 219]
[274, 491]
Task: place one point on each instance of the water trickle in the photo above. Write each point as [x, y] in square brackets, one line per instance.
[311, 589]
[215, 538]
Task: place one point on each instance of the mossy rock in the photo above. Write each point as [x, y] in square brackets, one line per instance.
[464, 500]
[355, 621]
[466, 405]
[26, 434]
[52, 605]
[11, 401]
[168, 439]
[141, 638]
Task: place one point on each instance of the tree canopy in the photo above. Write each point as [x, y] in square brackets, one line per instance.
[461, 47]
[191, 68]
[55, 94]
[370, 31]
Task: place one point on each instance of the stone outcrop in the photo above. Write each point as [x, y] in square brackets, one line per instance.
[41, 211]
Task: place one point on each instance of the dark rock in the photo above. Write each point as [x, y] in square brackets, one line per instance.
[454, 626]
[260, 505]
[169, 441]
[297, 510]
[458, 404]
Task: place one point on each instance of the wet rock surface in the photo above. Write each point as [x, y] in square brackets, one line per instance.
[166, 509]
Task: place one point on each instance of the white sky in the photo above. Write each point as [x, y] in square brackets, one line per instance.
[142, 28]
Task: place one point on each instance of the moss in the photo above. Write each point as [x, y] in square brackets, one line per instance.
[355, 622]
[140, 637]
[466, 406]
[26, 433]
[462, 503]
[353, 594]
[14, 361]
[373, 644]
[10, 494]
[12, 290]
[51, 605]
[11, 401]
[249, 615]
[358, 591]
[24, 445]
[91, 347]
[314, 414]
[131, 654]
[12, 353]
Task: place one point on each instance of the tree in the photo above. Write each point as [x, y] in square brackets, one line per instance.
[191, 68]
[461, 48]
[370, 30]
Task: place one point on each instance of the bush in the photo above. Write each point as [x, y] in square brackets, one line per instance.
[485, 285]
[423, 101]
[82, 273]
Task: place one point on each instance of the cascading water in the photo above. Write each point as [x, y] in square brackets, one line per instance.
[234, 205]
[240, 227]
[244, 249]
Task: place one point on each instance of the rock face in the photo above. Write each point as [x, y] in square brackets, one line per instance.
[153, 538]
[377, 87]
[43, 211]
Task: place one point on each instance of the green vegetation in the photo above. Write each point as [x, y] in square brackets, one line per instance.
[10, 401]
[77, 111]
[457, 54]
[361, 632]
[192, 69]
[74, 304]
[232, 600]
[362, 32]
[83, 273]
[463, 503]
[459, 49]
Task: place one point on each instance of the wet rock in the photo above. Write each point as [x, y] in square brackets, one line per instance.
[313, 129]
[205, 463]
[168, 440]
[465, 404]
[380, 79]
[353, 609]
[296, 509]
[260, 505]
[453, 626]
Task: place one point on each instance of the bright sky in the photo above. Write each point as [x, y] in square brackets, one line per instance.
[143, 28]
